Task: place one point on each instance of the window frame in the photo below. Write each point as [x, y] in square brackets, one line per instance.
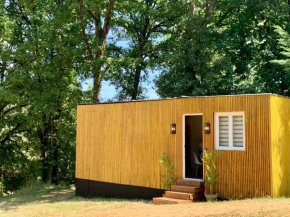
[216, 131]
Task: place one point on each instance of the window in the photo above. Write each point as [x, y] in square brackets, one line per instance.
[229, 131]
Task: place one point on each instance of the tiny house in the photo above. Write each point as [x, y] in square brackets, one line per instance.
[119, 145]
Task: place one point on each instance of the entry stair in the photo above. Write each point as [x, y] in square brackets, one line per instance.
[184, 191]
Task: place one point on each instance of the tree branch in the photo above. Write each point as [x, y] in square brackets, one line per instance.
[108, 18]
[12, 108]
[89, 50]
[7, 137]
[97, 20]
[22, 14]
[156, 27]
[92, 14]
[133, 24]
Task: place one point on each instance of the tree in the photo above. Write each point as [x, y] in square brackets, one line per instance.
[95, 24]
[252, 44]
[41, 73]
[13, 119]
[232, 54]
[189, 53]
[284, 42]
[142, 25]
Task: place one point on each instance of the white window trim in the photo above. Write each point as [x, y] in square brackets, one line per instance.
[216, 131]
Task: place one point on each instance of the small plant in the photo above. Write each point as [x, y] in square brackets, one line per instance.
[211, 174]
[167, 172]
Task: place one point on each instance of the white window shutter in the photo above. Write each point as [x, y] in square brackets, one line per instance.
[224, 131]
[238, 131]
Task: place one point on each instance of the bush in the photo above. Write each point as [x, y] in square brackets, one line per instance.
[12, 184]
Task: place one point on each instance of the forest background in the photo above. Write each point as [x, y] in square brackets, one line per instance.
[50, 48]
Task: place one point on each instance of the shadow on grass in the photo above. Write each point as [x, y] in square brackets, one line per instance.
[51, 194]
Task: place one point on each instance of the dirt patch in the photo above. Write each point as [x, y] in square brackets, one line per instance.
[60, 203]
[232, 208]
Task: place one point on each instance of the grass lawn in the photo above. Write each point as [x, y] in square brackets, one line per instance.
[56, 201]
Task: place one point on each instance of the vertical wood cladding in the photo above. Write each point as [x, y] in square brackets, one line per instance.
[123, 142]
[280, 148]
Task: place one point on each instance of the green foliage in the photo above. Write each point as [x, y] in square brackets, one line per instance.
[284, 60]
[95, 19]
[211, 175]
[39, 91]
[225, 47]
[143, 25]
[13, 184]
[200, 47]
[284, 42]
[167, 172]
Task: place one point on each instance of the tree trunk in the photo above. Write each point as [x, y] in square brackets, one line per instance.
[2, 181]
[54, 171]
[54, 146]
[42, 135]
[101, 33]
[136, 82]
[97, 76]
[2, 71]
[44, 163]
[289, 8]
[140, 64]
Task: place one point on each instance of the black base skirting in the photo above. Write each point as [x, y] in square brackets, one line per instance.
[89, 188]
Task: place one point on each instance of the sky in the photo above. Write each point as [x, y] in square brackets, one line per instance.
[108, 91]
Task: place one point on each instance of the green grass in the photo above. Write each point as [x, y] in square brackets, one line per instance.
[52, 194]
[32, 194]
[49, 200]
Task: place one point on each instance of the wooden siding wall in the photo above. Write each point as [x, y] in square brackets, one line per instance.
[122, 142]
[280, 136]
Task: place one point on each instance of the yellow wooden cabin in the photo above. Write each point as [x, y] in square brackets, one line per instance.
[119, 145]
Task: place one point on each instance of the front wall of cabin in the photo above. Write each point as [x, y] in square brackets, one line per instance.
[123, 142]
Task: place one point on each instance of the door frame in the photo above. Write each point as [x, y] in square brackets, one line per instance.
[183, 144]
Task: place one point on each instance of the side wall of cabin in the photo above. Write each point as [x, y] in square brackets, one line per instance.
[280, 136]
[122, 143]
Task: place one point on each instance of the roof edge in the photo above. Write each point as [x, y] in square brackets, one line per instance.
[277, 95]
[182, 97]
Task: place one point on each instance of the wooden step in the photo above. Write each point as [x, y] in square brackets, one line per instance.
[187, 189]
[165, 200]
[185, 196]
[199, 196]
[190, 183]
[178, 195]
